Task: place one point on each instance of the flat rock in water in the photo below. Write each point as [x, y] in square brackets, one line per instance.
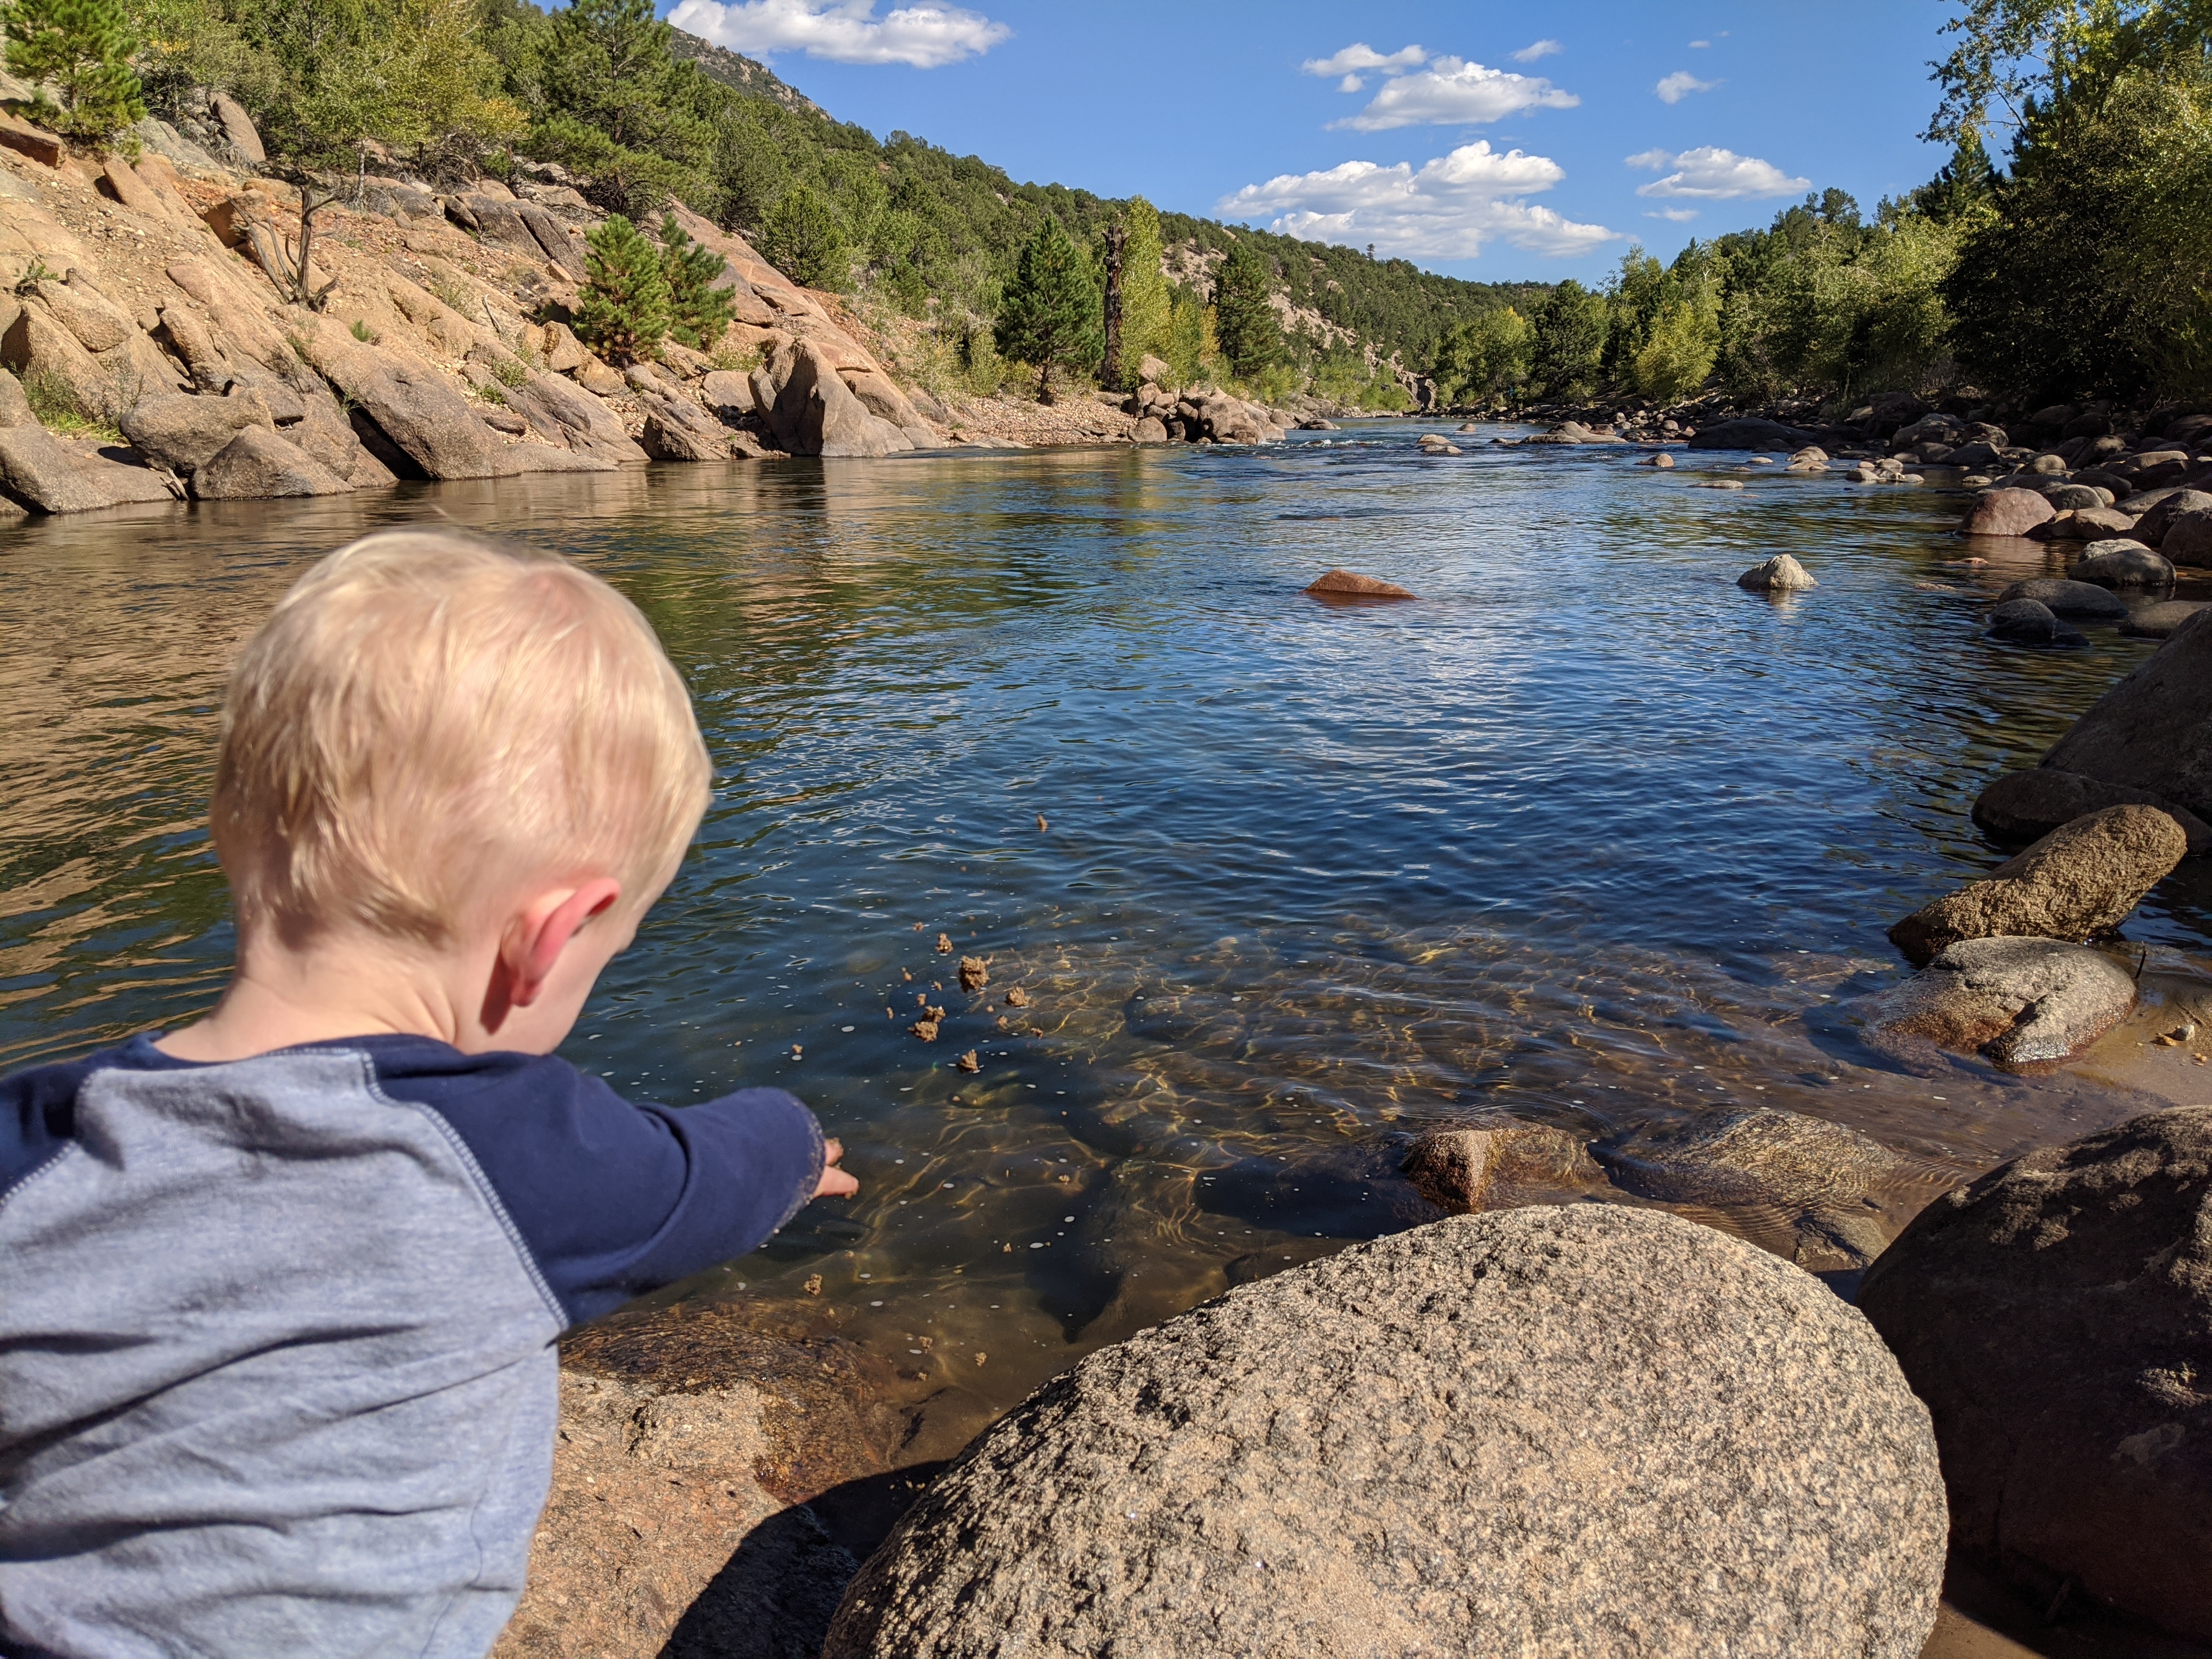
[2090, 524]
[2053, 1315]
[2122, 564]
[2153, 731]
[2026, 1003]
[2030, 622]
[1750, 433]
[2006, 512]
[2081, 601]
[1585, 1429]
[2158, 622]
[1351, 585]
[2080, 880]
[1779, 575]
[1810, 1174]
[2026, 805]
[1484, 1166]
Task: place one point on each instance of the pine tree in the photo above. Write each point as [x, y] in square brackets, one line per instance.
[1250, 337]
[697, 310]
[84, 47]
[1050, 311]
[1145, 310]
[803, 240]
[623, 312]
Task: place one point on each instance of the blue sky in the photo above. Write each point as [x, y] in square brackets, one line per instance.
[1492, 141]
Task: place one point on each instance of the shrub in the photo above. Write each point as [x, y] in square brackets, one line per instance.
[623, 312]
[83, 48]
[1678, 354]
[803, 240]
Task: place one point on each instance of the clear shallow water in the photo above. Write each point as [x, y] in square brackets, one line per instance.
[1587, 833]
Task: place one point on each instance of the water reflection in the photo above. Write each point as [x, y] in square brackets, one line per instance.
[1588, 835]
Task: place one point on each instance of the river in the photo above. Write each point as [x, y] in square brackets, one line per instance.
[1587, 834]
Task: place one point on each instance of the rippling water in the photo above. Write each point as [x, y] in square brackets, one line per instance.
[1588, 835]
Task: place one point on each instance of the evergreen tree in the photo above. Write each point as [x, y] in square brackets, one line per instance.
[1570, 341]
[698, 312]
[1050, 311]
[1145, 310]
[623, 312]
[84, 47]
[620, 109]
[803, 240]
[1242, 319]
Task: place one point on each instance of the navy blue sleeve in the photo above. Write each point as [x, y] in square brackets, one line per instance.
[38, 1114]
[614, 1200]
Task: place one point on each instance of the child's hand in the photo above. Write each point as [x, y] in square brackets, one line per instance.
[834, 1182]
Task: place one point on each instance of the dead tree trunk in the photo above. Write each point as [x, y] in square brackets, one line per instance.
[1110, 368]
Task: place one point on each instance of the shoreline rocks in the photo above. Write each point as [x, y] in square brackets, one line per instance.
[1458, 1438]
[2026, 1005]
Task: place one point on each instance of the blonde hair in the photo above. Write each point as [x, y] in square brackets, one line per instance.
[427, 718]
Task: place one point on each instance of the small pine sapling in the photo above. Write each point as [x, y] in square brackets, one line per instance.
[698, 312]
[623, 312]
[83, 48]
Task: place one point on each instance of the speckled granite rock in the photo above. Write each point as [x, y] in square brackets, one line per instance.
[1494, 1165]
[1583, 1430]
[2056, 1317]
[2027, 1004]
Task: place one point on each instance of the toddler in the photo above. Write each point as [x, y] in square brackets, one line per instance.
[279, 1290]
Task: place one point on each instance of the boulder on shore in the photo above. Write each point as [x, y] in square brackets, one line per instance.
[2026, 805]
[41, 472]
[1351, 585]
[2188, 537]
[1779, 575]
[2053, 1315]
[2122, 564]
[2080, 880]
[2005, 513]
[1583, 1429]
[1751, 432]
[2029, 1005]
[2168, 505]
[184, 434]
[257, 464]
[678, 429]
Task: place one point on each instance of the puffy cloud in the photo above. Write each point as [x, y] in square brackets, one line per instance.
[843, 31]
[1711, 174]
[1680, 85]
[1361, 55]
[1447, 209]
[1531, 52]
[1451, 92]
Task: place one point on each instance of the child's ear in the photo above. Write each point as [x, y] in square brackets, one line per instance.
[545, 930]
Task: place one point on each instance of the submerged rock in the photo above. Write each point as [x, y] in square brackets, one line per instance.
[2080, 880]
[2158, 622]
[1585, 1430]
[2083, 601]
[1811, 1175]
[1482, 1167]
[1351, 585]
[2025, 806]
[2030, 622]
[2026, 1003]
[2053, 1315]
[1779, 575]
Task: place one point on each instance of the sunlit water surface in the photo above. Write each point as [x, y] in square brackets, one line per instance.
[1587, 835]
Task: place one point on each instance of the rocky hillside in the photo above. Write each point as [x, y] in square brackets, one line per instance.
[734, 68]
[155, 349]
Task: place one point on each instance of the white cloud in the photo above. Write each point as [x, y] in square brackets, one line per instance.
[1700, 46]
[1674, 216]
[1711, 174]
[843, 31]
[1531, 52]
[1680, 85]
[1448, 210]
[1349, 83]
[1451, 92]
[1361, 55]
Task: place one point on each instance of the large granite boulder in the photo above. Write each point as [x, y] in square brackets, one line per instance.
[184, 434]
[2170, 502]
[2026, 805]
[257, 464]
[1587, 1430]
[2006, 512]
[411, 419]
[2081, 601]
[1780, 574]
[1496, 1165]
[2153, 731]
[2080, 880]
[2188, 537]
[678, 429]
[812, 412]
[38, 471]
[2029, 1005]
[2056, 1317]
[2122, 563]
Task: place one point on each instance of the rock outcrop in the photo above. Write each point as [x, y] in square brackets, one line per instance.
[2054, 1317]
[2078, 882]
[1583, 1428]
[2029, 1005]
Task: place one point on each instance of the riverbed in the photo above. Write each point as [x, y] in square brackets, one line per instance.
[1585, 834]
